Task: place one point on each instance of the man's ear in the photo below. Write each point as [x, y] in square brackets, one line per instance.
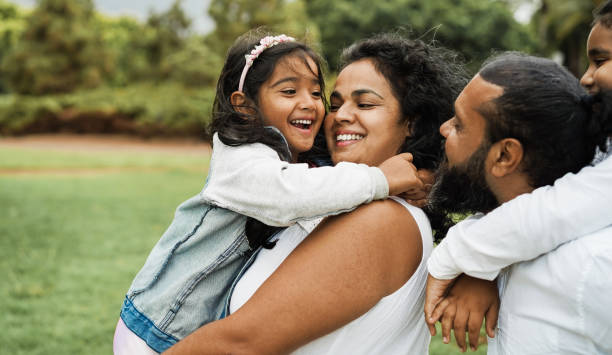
[240, 103]
[506, 156]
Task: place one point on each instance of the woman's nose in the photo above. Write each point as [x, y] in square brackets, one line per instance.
[344, 114]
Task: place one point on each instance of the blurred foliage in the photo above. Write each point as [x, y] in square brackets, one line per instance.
[563, 26]
[62, 64]
[60, 50]
[234, 17]
[12, 24]
[140, 109]
[475, 28]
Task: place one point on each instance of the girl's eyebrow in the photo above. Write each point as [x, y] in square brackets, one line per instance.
[292, 79]
[284, 80]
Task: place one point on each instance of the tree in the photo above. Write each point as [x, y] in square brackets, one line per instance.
[121, 36]
[194, 65]
[141, 52]
[235, 17]
[564, 26]
[475, 28]
[60, 50]
[167, 33]
[12, 24]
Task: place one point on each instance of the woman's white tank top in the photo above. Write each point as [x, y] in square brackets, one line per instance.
[395, 325]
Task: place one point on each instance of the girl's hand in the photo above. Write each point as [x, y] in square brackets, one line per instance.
[467, 303]
[402, 176]
[418, 198]
[435, 291]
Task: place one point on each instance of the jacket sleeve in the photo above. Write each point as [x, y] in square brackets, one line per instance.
[253, 181]
[527, 226]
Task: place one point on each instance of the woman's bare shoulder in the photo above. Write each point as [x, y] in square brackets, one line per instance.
[388, 232]
[382, 216]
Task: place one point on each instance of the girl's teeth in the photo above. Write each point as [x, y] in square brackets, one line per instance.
[302, 122]
[348, 137]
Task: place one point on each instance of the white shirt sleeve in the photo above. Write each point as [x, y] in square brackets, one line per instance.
[527, 226]
[251, 180]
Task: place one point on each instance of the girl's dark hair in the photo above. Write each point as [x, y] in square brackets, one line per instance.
[425, 79]
[544, 107]
[235, 128]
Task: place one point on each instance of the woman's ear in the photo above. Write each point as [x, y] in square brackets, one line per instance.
[407, 127]
[240, 103]
[506, 156]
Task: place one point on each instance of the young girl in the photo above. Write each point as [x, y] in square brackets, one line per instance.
[269, 104]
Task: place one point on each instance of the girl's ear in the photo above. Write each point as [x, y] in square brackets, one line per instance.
[507, 157]
[240, 103]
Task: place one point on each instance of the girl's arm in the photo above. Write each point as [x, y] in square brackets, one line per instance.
[253, 181]
[338, 273]
[527, 226]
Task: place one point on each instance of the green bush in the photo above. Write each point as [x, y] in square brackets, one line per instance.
[142, 109]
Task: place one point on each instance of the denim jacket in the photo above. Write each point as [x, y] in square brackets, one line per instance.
[188, 274]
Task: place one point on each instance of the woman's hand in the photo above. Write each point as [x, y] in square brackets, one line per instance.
[469, 300]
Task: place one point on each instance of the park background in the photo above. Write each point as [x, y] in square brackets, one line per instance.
[102, 120]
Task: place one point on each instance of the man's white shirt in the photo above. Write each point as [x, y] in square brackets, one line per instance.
[560, 302]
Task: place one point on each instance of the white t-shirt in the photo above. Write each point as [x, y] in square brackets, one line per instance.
[395, 325]
[558, 303]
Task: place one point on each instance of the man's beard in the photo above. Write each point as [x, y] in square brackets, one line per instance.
[463, 188]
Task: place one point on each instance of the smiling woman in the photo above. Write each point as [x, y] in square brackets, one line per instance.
[364, 122]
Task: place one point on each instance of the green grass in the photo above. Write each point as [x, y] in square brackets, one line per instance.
[71, 243]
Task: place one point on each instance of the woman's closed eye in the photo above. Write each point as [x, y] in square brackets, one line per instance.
[289, 91]
[366, 105]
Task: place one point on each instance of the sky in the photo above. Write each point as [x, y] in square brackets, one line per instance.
[195, 9]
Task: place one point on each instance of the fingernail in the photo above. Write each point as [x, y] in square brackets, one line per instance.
[473, 348]
[445, 340]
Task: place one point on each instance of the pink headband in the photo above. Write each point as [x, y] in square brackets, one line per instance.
[265, 43]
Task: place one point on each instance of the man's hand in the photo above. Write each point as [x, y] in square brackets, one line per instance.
[468, 302]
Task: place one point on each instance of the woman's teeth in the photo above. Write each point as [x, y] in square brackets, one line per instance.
[348, 137]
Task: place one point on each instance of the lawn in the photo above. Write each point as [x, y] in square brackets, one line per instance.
[74, 229]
